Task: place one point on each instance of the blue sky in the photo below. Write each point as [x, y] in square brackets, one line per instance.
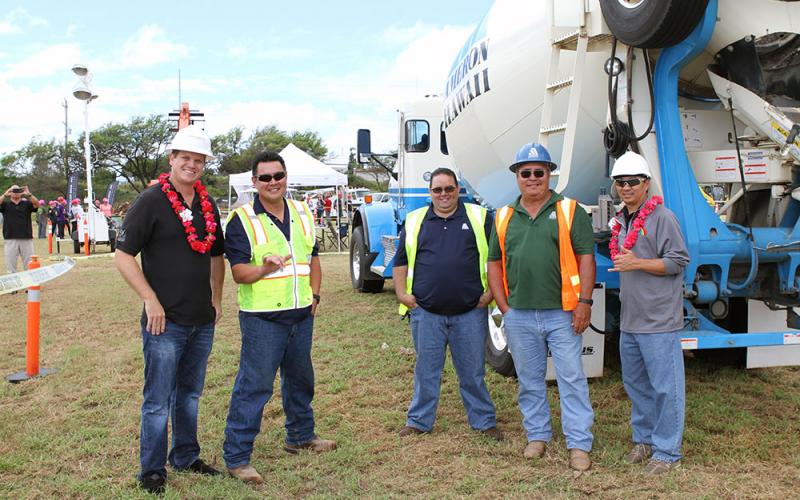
[327, 66]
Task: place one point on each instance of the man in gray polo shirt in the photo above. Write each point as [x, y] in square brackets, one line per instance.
[649, 253]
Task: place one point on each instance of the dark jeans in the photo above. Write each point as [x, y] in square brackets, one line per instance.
[174, 374]
[266, 347]
[466, 335]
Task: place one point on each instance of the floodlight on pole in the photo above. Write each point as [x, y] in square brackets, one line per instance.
[80, 70]
[84, 93]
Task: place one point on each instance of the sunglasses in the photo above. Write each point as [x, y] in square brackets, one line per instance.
[446, 189]
[629, 182]
[278, 176]
[538, 173]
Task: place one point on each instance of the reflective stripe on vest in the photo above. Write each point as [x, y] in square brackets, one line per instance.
[570, 279]
[477, 218]
[287, 288]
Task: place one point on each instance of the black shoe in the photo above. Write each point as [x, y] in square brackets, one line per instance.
[153, 483]
[202, 468]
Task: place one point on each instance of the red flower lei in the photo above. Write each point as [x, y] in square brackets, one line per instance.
[637, 227]
[199, 246]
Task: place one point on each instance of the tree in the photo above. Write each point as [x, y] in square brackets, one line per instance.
[136, 151]
[235, 154]
[227, 150]
[40, 165]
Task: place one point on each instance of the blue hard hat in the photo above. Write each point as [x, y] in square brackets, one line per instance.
[532, 153]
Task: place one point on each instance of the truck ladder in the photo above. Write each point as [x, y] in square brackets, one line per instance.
[580, 42]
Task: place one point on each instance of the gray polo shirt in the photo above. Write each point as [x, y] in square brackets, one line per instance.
[651, 303]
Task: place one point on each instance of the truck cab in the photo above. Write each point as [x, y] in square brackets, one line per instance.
[421, 149]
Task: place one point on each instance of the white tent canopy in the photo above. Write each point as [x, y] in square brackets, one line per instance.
[302, 170]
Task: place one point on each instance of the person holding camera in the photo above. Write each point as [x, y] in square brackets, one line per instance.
[17, 204]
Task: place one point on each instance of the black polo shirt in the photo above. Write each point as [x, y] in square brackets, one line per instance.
[237, 251]
[447, 277]
[17, 219]
[180, 276]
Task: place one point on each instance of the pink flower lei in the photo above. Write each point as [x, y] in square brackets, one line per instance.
[199, 246]
[636, 227]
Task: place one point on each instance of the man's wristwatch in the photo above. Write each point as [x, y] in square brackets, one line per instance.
[315, 297]
[585, 301]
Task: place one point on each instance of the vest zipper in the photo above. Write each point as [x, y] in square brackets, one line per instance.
[294, 262]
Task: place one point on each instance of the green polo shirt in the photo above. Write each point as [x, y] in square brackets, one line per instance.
[533, 268]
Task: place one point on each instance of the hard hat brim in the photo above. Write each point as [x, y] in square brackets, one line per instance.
[207, 153]
[515, 166]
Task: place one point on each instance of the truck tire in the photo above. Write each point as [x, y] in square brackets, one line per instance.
[361, 277]
[497, 354]
[652, 24]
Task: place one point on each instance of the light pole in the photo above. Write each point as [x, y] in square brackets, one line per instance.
[84, 93]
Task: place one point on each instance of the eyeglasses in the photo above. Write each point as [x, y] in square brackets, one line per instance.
[278, 176]
[538, 173]
[629, 182]
[446, 189]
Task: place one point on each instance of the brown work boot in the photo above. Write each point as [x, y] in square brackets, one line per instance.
[579, 460]
[493, 433]
[657, 467]
[639, 453]
[247, 474]
[317, 444]
[534, 449]
[409, 431]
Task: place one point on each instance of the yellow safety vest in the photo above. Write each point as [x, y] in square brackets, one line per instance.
[570, 279]
[477, 218]
[289, 288]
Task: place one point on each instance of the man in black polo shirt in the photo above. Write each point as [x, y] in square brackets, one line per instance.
[176, 228]
[440, 280]
[17, 227]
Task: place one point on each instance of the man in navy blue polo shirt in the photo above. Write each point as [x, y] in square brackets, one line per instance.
[441, 260]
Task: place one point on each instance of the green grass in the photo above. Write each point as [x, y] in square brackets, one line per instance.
[75, 433]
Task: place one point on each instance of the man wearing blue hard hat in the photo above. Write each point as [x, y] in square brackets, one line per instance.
[541, 273]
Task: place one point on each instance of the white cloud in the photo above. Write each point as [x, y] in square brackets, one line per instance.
[70, 32]
[255, 50]
[150, 46]
[47, 61]
[36, 113]
[402, 35]
[18, 20]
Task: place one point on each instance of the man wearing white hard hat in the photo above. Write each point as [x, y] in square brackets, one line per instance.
[649, 253]
[175, 226]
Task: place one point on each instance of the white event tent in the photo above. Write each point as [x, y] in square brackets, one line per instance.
[302, 170]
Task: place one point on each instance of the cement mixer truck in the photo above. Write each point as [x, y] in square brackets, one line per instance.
[707, 90]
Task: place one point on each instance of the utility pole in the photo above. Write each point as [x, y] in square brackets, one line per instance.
[66, 137]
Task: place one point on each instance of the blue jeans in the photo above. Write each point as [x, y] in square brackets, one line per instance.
[652, 371]
[466, 336]
[531, 332]
[174, 374]
[266, 347]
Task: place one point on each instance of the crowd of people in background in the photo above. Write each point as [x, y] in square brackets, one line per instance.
[20, 209]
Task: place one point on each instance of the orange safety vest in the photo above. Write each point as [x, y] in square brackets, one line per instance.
[570, 280]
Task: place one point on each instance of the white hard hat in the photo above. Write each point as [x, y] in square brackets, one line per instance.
[630, 164]
[193, 139]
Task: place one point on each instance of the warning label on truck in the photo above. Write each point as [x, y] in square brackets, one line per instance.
[689, 343]
[726, 168]
[791, 338]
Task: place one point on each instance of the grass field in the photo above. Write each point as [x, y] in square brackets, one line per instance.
[75, 434]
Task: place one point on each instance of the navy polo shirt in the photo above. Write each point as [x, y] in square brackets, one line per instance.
[447, 277]
[237, 250]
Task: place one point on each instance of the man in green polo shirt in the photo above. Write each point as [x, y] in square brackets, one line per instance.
[541, 273]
